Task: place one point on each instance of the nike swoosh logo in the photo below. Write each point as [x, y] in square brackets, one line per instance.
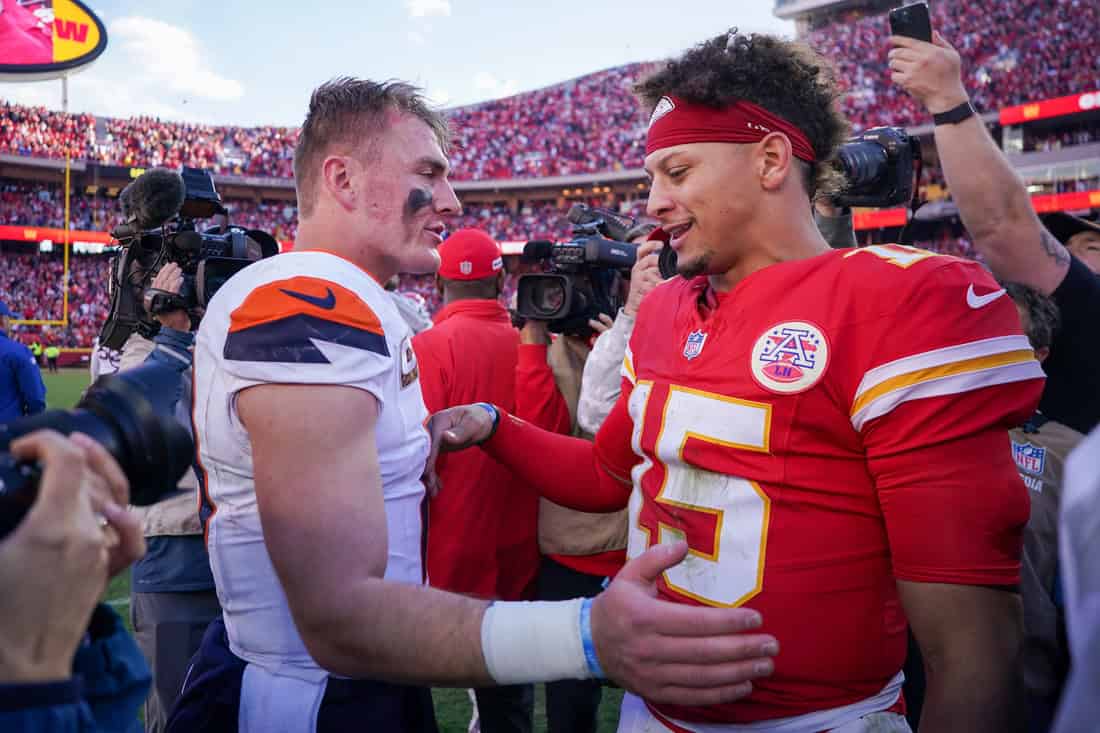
[976, 301]
[327, 303]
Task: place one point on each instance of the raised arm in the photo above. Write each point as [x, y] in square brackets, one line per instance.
[993, 203]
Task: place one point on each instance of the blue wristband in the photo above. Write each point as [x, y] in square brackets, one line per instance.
[586, 640]
[495, 413]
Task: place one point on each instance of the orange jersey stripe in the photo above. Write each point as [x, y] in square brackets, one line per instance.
[304, 295]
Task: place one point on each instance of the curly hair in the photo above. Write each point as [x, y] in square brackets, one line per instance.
[786, 78]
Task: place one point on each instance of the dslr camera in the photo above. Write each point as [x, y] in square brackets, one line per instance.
[161, 212]
[878, 165]
[130, 414]
[583, 276]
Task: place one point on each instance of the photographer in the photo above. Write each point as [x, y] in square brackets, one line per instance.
[67, 664]
[996, 209]
[172, 598]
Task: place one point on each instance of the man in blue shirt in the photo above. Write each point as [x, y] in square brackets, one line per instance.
[21, 389]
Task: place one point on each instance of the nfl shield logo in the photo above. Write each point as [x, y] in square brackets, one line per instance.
[465, 267]
[694, 345]
[1029, 458]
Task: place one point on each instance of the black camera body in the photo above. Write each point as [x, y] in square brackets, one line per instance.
[584, 275]
[130, 414]
[161, 211]
[878, 165]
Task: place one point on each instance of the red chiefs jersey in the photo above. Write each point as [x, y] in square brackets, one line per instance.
[830, 426]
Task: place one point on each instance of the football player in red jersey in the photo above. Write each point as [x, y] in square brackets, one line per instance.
[826, 428]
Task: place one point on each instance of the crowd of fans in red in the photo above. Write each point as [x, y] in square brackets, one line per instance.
[31, 284]
[1013, 53]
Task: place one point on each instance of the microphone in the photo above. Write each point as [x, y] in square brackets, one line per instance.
[152, 198]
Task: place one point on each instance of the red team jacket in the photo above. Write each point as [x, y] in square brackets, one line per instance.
[828, 427]
[482, 527]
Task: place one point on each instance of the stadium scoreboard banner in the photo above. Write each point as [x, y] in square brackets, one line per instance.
[1047, 108]
[48, 39]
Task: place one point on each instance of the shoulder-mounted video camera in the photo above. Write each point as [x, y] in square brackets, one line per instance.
[584, 275]
[161, 212]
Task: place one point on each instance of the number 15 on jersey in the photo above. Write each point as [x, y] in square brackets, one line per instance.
[723, 517]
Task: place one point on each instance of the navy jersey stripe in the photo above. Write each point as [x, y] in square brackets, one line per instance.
[290, 340]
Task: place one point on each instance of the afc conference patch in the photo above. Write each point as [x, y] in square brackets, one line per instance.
[790, 357]
[1029, 458]
[694, 344]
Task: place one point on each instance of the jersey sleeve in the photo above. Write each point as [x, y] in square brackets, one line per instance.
[949, 372]
[307, 330]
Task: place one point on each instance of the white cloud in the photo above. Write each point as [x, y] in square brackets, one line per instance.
[33, 94]
[425, 8]
[493, 88]
[170, 58]
[416, 38]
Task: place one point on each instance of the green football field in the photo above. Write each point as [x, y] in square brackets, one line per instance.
[452, 706]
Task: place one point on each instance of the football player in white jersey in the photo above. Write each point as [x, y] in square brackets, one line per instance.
[309, 425]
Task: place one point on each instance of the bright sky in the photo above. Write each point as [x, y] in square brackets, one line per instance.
[246, 63]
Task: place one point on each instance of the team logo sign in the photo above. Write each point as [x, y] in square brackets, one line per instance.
[46, 39]
[1029, 458]
[790, 357]
[694, 344]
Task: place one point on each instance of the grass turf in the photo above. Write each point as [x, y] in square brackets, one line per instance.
[452, 706]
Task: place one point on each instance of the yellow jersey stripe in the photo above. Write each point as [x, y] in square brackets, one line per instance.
[628, 369]
[928, 374]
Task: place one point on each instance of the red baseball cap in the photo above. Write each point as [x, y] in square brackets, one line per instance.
[469, 254]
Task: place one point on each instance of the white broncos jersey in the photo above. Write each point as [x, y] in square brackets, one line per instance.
[299, 318]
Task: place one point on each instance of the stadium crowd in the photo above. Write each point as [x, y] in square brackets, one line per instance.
[1014, 53]
[941, 379]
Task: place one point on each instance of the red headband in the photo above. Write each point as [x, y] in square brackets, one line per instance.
[677, 122]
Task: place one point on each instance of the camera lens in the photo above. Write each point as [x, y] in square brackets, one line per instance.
[863, 163]
[548, 297]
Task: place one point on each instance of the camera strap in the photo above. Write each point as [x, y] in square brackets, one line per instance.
[906, 236]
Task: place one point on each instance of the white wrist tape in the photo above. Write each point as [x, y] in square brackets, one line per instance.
[537, 641]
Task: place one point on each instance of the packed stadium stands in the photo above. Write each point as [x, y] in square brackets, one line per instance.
[1013, 53]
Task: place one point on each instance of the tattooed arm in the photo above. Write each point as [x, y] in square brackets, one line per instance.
[996, 209]
[993, 203]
